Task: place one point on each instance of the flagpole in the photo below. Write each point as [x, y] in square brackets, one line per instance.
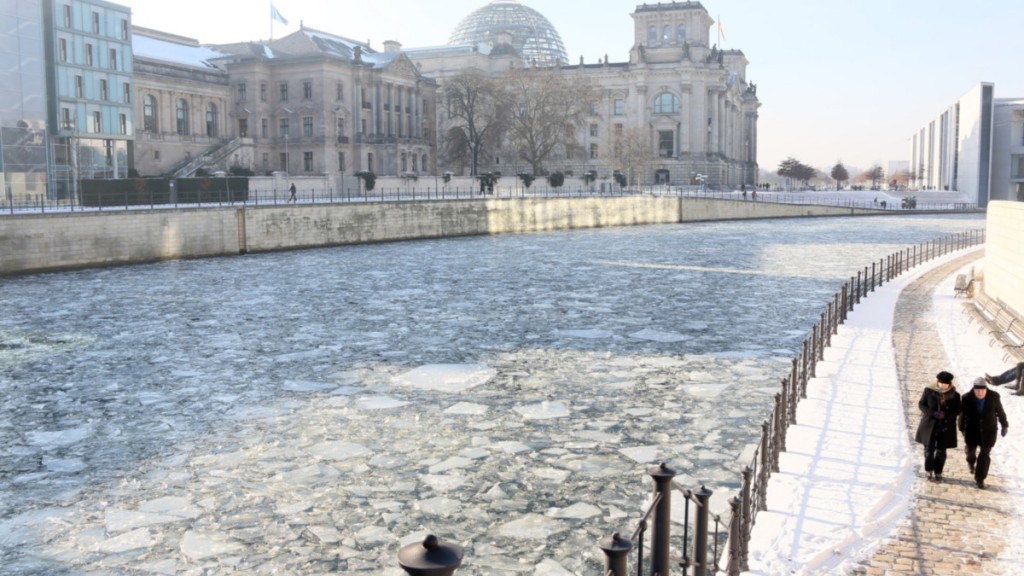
[271, 6]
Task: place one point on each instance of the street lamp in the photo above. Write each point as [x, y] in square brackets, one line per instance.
[287, 159]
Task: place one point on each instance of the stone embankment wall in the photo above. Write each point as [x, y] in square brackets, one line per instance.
[1004, 254]
[32, 243]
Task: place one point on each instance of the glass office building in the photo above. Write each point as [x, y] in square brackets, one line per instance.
[89, 109]
[24, 143]
[65, 97]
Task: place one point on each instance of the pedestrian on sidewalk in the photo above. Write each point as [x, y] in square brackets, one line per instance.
[940, 406]
[292, 190]
[981, 416]
[1013, 375]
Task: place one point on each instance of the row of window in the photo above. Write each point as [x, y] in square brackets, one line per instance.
[307, 91]
[94, 122]
[666, 34]
[95, 22]
[89, 59]
[664, 103]
[182, 123]
[104, 90]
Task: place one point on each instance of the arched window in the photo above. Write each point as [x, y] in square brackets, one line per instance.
[666, 103]
[181, 115]
[149, 114]
[423, 163]
[666, 34]
[652, 35]
[682, 32]
[211, 119]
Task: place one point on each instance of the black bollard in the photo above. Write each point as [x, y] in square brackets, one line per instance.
[432, 557]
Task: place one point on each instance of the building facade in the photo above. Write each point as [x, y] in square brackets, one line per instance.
[24, 140]
[687, 103]
[954, 150]
[310, 103]
[90, 90]
[1008, 150]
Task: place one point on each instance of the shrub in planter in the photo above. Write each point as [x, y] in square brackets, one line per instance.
[369, 179]
[527, 179]
[556, 179]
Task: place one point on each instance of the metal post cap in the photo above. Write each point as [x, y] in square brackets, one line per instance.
[432, 557]
[661, 471]
[615, 544]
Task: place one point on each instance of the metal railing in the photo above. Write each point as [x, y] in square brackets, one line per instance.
[219, 194]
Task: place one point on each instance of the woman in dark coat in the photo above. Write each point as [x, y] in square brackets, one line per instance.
[980, 421]
[940, 405]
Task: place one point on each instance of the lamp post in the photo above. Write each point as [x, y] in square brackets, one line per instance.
[287, 159]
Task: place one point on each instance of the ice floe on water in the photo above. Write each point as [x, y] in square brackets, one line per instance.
[511, 405]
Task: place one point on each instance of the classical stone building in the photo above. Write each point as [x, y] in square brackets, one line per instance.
[310, 103]
[687, 101]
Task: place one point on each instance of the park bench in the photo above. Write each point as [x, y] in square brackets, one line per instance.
[1002, 325]
[962, 286]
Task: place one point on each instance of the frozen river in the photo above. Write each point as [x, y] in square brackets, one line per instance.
[310, 412]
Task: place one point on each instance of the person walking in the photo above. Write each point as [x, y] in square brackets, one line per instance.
[292, 190]
[981, 415]
[940, 406]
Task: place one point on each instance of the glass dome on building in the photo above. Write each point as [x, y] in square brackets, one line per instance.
[532, 34]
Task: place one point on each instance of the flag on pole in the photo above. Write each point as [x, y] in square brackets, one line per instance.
[721, 31]
[275, 15]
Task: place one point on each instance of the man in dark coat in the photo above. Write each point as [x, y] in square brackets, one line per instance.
[980, 418]
[940, 406]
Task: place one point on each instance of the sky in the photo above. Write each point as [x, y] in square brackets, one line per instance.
[840, 80]
[848, 477]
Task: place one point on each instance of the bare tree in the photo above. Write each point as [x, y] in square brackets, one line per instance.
[547, 108]
[631, 152]
[476, 118]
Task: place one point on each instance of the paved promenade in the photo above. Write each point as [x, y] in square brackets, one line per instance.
[952, 528]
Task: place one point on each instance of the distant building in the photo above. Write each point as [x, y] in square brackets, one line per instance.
[89, 68]
[974, 146]
[687, 99]
[1008, 150]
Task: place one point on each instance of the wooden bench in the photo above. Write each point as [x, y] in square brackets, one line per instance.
[1003, 327]
[962, 287]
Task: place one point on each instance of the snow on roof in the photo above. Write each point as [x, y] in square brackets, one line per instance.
[174, 52]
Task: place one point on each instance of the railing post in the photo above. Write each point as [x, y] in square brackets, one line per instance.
[814, 349]
[700, 535]
[662, 530]
[803, 377]
[779, 436]
[766, 466]
[746, 514]
[432, 557]
[616, 554]
[821, 338]
[736, 540]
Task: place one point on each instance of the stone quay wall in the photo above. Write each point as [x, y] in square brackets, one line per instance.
[32, 243]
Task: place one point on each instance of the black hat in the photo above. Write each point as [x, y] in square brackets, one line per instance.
[979, 383]
[944, 377]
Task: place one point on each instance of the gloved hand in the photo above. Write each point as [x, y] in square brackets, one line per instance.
[939, 415]
[1005, 428]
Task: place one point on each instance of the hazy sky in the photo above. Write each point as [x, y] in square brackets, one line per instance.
[837, 79]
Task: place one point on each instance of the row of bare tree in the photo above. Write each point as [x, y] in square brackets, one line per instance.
[532, 114]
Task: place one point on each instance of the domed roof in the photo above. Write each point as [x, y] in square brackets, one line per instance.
[532, 34]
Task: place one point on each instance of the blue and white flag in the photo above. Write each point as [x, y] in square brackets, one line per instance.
[275, 15]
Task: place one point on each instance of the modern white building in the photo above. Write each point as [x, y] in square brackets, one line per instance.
[974, 146]
[1008, 150]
